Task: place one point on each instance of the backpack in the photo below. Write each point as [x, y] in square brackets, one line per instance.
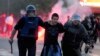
[30, 27]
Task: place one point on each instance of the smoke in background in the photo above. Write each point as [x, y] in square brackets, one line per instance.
[57, 8]
[67, 8]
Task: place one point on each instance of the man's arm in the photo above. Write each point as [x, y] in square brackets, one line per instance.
[17, 26]
[12, 35]
[61, 28]
[41, 23]
[85, 35]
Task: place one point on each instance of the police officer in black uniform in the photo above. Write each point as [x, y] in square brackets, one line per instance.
[27, 28]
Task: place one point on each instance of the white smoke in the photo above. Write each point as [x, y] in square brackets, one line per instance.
[57, 8]
[73, 7]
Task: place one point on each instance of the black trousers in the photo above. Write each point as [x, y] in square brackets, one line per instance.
[70, 51]
[95, 38]
[25, 45]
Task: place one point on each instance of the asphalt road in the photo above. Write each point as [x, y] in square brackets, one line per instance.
[5, 48]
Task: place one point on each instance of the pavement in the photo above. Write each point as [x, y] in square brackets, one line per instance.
[5, 48]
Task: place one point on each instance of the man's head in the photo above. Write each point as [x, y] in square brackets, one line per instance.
[55, 17]
[76, 19]
[31, 9]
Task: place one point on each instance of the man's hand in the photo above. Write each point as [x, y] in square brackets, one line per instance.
[11, 40]
[12, 36]
[88, 45]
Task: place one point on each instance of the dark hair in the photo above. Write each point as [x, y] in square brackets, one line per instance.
[55, 14]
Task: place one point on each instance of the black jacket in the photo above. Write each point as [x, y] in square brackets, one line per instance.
[74, 34]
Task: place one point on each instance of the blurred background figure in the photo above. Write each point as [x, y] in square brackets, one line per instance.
[23, 13]
[89, 26]
[9, 24]
[98, 27]
[2, 23]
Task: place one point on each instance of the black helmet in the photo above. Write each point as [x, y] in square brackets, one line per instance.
[30, 8]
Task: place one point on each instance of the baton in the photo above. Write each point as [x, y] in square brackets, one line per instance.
[11, 44]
